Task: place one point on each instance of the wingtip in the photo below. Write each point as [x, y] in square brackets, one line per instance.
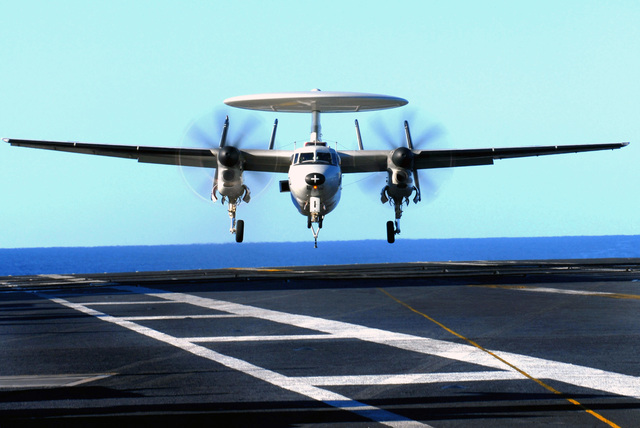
[6, 140]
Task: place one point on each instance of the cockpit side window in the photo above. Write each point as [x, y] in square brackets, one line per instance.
[335, 159]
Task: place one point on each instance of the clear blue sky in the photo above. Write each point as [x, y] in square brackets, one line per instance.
[490, 73]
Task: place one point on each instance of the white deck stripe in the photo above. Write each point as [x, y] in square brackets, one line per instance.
[586, 377]
[142, 302]
[411, 379]
[39, 381]
[177, 317]
[575, 292]
[220, 339]
[561, 291]
[290, 384]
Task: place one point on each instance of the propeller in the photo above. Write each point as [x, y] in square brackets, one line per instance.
[413, 131]
[212, 131]
[423, 130]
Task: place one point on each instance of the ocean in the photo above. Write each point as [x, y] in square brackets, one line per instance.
[65, 260]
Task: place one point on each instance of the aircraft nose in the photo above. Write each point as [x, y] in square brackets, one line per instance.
[314, 179]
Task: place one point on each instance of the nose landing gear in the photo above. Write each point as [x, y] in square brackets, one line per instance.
[312, 219]
[315, 217]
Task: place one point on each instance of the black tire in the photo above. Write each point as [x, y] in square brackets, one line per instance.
[239, 230]
[391, 232]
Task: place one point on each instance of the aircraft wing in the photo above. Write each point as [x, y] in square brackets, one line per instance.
[376, 160]
[363, 160]
[255, 160]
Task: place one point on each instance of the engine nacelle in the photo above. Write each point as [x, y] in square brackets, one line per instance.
[400, 184]
[401, 157]
[229, 156]
[400, 177]
[229, 181]
[400, 169]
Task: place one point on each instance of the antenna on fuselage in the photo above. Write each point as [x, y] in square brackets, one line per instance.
[272, 141]
[358, 136]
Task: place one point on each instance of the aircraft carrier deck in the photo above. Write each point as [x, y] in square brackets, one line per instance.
[520, 343]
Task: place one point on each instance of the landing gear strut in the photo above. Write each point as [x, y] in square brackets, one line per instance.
[315, 218]
[237, 226]
[393, 228]
[397, 201]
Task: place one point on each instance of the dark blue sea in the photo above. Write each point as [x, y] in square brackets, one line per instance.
[32, 261]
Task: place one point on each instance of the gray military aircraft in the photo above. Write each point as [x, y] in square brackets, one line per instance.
[314, 170]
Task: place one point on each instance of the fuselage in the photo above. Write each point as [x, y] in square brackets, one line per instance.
[315, 179]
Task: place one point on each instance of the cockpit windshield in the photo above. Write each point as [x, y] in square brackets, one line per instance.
[305, 157]
[316, 157]
[324, 157]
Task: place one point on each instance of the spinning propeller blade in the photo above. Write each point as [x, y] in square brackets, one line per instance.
[428, 136]
[213, 131]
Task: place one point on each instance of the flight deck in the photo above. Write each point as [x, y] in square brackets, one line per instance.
[419, 344]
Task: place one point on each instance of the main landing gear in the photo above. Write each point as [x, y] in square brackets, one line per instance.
[393, 227]
[237, 226]
[315, 218]
[391, 232]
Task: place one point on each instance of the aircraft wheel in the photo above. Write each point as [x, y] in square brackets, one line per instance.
[239, 230]
[309, 222]
[391, 232]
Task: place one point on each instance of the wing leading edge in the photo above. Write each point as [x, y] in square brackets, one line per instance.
[353, 161]
[376, 160]
[255, 160]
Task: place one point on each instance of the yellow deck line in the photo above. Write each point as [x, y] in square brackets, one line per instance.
[522, 372]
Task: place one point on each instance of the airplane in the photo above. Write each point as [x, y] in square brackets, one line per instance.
[314, 170]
